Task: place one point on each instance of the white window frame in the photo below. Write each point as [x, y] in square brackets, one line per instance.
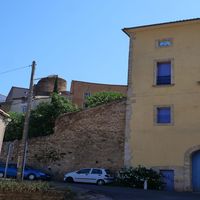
[162, 40]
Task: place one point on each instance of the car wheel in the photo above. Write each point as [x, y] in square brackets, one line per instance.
[1, 174]
[100, 182]
[69, 180]
[31, 177]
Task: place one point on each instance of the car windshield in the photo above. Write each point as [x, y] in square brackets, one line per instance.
[107, 171]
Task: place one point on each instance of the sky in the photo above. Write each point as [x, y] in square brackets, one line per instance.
[76, 39]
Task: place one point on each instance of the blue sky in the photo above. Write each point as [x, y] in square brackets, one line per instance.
[76, 39]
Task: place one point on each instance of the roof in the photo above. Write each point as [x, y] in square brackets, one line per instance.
[4, 114]
[161, 24]
[17, 92]
[84, 82]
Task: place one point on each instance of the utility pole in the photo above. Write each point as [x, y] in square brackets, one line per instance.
[23, 149]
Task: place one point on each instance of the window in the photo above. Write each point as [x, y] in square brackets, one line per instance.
[107, 171]
[96, 171]
[164, 43]
[86, 94]
[164, 115]
[163, 73]
[84, 171]
[24, 108]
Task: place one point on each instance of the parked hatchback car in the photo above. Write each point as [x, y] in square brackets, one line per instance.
[29, 172]
[90, 175]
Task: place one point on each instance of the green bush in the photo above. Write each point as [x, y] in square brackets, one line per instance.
[135, 177]
[15, 127]
[100, 98]
[42, 119]
[25, 186]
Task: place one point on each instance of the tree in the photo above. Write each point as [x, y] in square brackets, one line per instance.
[42, 119]
[55, 88]
[15, 128]
[102, 98]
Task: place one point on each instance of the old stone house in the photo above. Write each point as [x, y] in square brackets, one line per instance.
[16, 100]
[80, 90]
[4, 119]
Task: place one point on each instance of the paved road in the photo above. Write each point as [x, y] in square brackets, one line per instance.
[121, 193]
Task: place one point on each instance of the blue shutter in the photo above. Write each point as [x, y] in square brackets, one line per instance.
[196, 171]
[164, 115]
[168, 179]
[163, 73]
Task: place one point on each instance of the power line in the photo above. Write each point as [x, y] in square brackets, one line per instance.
[15, 69]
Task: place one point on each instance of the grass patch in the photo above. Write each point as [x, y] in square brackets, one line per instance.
[25, 186]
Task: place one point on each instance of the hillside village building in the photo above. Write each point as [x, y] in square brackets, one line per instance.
[4, 119]
[16, 100]
[80, 90]
[2, 98]
[163, 112]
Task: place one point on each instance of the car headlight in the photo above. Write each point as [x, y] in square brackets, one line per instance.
[65, 175]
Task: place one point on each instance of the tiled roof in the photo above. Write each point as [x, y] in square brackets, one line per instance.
[160, 24]
[4, 114]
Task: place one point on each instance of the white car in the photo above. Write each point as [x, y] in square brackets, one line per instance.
[90, 175]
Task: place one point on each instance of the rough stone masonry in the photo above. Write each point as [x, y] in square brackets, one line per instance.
[90, 138]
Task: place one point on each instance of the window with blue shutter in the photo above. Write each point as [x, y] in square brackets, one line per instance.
[163, 115]
[163, 73]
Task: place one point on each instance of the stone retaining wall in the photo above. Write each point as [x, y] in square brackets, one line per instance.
[89, 138]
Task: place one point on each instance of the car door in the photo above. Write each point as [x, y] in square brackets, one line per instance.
[12, 170]
[82, 175]
[95, 175]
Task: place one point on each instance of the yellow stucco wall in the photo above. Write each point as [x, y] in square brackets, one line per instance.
[153, 145]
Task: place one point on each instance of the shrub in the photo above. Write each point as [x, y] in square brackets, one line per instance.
[100, 98]
[42, 119]
[135, 177]
[15, 127]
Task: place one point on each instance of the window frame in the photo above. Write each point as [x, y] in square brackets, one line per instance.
[155, 115]
[85, 96]
[24, 108]
[156, 61]
[78, 172]
[97, 170]
[157, 42]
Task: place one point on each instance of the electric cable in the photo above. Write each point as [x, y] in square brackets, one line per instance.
[15, 69]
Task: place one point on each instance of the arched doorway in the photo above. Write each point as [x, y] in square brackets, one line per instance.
[196, 171]
[191, 159]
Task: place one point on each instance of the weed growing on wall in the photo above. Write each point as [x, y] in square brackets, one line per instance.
[102, 98]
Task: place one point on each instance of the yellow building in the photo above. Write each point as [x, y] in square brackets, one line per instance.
[163, 107]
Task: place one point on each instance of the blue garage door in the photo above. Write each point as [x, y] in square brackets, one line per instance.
[168, 179]
[196, 171]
